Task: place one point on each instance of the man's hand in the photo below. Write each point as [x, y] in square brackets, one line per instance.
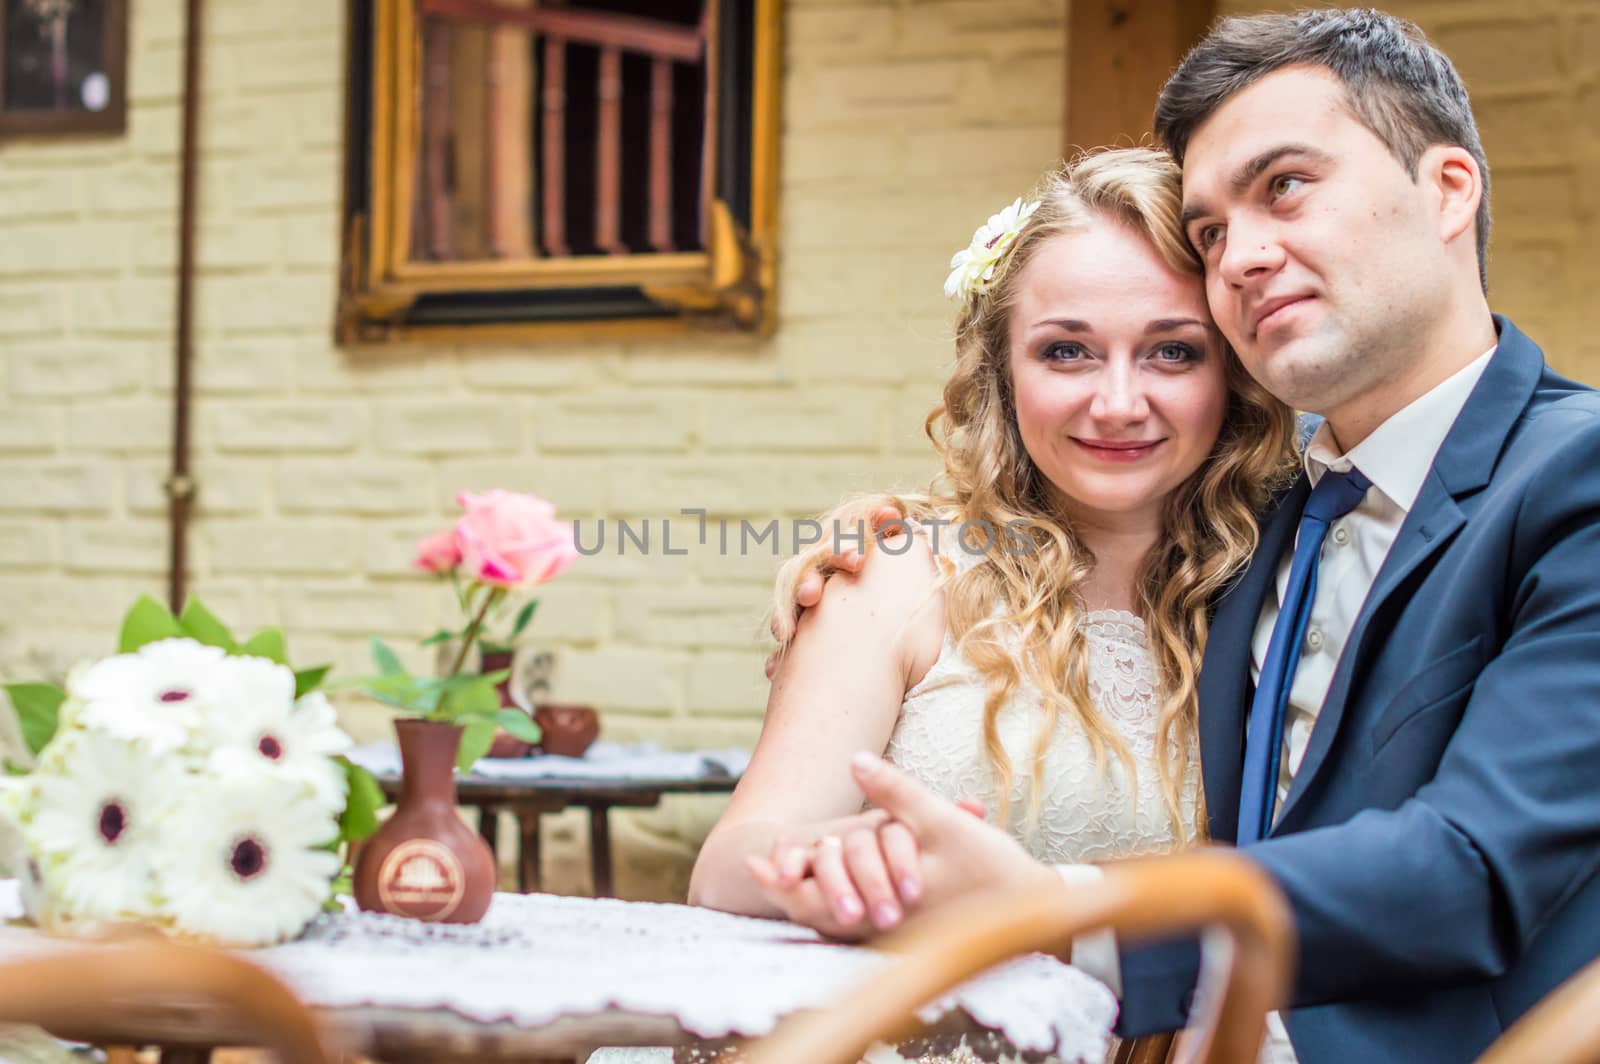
[847, 881]
[816, 566]
[960, 852]
[866, 872]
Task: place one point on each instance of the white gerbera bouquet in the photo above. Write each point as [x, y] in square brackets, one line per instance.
[190, 783]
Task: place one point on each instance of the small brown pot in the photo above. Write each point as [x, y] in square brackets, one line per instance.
[424, 863]
[505, 744]
[568, 729]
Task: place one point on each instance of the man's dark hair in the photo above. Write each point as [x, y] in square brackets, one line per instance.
[1397, 84]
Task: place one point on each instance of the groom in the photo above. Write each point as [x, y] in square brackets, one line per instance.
[1400, 700]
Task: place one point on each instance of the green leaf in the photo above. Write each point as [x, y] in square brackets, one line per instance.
[402, 691]
[387, 662]
[524, 615]
[362, 803]
[38, 708]
[147, 622]
[475, 742]
[308, 680]
[201, 624]
[441, 636]
[342, 884]
[519, 724]
[475, 696]
[267, 643]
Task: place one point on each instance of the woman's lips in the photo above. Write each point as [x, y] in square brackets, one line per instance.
[1118, 451]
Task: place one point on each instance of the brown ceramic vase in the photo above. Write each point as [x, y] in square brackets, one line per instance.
[505, 744]
[424, 863]
[568, 729]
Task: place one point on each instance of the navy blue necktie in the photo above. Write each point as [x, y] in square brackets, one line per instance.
[1335, 495]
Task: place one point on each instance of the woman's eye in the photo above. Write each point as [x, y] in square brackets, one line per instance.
[1284, 184]
[1177, 354]
[1065, 353]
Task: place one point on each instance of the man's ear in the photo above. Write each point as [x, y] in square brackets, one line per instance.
[1453, 174]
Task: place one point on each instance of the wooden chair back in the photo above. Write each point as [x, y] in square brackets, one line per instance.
[99, 995]
[1143, 899]
[1564, 1028]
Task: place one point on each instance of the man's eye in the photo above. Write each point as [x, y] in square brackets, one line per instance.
[1207, 237]
[1284, 184]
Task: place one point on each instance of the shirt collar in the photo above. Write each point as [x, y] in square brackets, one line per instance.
[1398, 453]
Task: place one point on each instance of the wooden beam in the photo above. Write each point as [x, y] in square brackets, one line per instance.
[601, 29]
[1119, 54]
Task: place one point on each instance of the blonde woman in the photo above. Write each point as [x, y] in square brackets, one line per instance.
[1031, 639]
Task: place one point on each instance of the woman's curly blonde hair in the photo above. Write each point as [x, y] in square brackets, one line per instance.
[1016, 615]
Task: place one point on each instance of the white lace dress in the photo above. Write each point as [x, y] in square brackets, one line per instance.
[1087, 813]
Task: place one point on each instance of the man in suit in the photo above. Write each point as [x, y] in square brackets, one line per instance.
[1400, 700]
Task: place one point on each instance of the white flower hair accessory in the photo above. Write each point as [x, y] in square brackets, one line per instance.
[973, 266]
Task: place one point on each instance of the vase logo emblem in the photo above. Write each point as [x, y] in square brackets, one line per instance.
[422, 879]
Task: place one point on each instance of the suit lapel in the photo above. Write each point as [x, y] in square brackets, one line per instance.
[1225, 687]
[1462, 467]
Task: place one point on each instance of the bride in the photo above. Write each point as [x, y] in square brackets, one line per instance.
[1027, 637]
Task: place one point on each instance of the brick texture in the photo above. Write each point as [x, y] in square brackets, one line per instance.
[906, 124]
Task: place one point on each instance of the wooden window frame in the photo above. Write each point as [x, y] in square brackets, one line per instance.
[730, 285]
[112, 119]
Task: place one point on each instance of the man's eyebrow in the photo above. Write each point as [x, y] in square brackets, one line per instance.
[1247, 174]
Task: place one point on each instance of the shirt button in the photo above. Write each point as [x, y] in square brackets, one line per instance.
[1314, 640]
[1341, 535]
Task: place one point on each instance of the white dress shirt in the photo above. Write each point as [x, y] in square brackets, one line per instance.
[1396, 458]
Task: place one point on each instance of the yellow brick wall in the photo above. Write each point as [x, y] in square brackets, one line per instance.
[1533, 69]
[906, 123]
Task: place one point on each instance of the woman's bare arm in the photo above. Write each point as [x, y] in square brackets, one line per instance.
[837, 691]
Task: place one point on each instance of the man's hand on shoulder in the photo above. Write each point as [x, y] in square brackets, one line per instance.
[816, 566]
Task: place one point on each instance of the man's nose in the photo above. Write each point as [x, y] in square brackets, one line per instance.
[1250, 251]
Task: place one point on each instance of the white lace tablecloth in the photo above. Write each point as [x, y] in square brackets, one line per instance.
[603, 760]
[538, 957]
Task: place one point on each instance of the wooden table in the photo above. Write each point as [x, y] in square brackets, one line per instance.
[189, 1033]
[546, 978]
[527, 800]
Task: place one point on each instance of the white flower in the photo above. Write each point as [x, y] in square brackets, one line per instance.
[96, 824]
[973, 266]
[153, 696]
[250, 681]
[15, 803]
[246, 867]
[295, 740]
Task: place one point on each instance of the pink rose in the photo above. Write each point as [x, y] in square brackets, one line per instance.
[512, 540]
[438, 553]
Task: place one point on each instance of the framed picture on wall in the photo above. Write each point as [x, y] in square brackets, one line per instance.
[63, 66]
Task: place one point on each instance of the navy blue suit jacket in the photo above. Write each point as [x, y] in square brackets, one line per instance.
[1440, 842]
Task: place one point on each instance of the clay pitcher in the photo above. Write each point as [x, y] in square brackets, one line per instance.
[424, 863]
[568, 729]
